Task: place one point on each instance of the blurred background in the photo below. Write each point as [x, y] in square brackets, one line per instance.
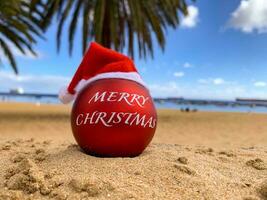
[192, 54]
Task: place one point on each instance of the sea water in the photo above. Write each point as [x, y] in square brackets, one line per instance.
[213, 108]
[162, 105]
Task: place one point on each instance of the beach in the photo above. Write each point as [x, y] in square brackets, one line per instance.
[200, 155]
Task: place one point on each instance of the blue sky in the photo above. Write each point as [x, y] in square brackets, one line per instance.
[218, 52]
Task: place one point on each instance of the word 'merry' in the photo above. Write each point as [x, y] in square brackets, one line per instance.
[130, 99]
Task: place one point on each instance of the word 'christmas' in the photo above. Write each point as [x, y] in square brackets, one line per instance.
[110, 119]
[130, 99]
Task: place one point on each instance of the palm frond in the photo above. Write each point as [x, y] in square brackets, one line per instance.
[118, 24]
[19, 25]
[62, 21]
[73, 24]
[9, 55]
[87, 10]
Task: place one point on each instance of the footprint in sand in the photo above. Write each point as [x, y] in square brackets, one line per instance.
[18, 157]
[47, 142]
[183, 160]
[257, 164]
[6, 147]
[30, 140]
[207, 151]
[40, 155]
[227, 153]
[92, 187]
[185, 169]
[59, 195]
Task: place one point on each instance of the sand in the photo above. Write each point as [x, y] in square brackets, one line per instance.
[192, 156]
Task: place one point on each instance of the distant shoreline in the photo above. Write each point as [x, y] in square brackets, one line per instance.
[183, 105]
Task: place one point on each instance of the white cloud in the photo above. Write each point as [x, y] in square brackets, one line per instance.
[173, 89]
[32, 83]
[178, 74]
[218, 81]
[187, 65]
[249, 16]
[260, 84]
[214, 81]
[164, 90]
[207, 91]
[191, 19]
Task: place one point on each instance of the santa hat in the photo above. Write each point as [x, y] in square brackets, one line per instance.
[99, 63]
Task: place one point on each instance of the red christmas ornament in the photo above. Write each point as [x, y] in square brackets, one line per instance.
[113, 117]
[113, 113]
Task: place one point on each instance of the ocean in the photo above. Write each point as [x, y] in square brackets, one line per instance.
[213, 108]
[163, 105]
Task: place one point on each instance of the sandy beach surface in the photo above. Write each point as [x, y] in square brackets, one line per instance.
[200, 155]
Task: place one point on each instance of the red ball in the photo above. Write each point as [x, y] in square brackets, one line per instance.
[114, 118]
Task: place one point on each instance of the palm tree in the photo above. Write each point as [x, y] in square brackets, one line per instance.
[18, 27]
[115, 23]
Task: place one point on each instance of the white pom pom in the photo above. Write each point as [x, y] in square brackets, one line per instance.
[64, 96]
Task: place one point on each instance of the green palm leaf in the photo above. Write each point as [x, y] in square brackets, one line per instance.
[9, 55]
[18, 27]
[73, 24]
[118, 24]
